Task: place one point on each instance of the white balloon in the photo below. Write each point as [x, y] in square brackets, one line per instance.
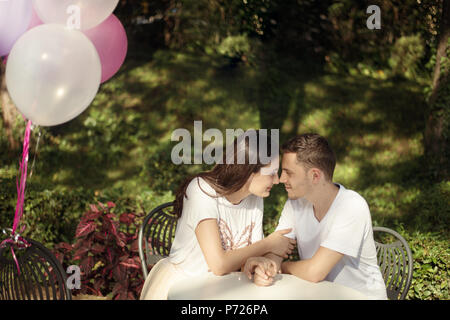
[53, 74]
[86, 14]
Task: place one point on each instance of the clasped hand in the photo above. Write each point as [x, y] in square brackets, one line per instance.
[263, 270]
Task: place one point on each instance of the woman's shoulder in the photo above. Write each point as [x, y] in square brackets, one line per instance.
[198, 186]
[199, 201]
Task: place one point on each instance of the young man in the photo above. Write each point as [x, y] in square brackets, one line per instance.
[332, 225]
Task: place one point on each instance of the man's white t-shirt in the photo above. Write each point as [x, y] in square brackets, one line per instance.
[346, 228]
[239, 225]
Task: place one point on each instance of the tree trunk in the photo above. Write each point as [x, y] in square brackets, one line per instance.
[9, 112]
[169, 23]
[436, 137]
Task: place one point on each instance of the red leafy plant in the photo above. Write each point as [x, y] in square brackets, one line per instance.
[106, 250]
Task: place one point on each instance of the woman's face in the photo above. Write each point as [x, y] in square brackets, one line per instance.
[263, 181]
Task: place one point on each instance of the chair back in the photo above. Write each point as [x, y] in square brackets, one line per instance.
[395, 260]
[156, 235]
[41, 275]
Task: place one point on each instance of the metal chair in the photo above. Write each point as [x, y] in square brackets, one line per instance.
[156, 235]
[41, 275]
[395, 260]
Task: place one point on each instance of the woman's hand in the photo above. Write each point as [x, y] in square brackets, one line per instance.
[261, 266]
[262, 269]
[279, 244]
[261, 279]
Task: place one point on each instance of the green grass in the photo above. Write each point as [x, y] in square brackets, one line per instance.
[119, 148]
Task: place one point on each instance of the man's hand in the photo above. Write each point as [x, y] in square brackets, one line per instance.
[279, 244]
[262, 268]
[261, 279]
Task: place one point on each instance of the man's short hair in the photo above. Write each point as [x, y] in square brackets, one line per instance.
[313, 151]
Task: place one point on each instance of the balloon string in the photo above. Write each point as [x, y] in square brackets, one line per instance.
[16, 238]
[23, 178]
[35, 152]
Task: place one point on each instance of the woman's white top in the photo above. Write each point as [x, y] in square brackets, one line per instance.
[239, 225]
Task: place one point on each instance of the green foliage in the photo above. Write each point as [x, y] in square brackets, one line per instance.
[425, 226]
[162, 174]
[50, 216]
[405, 61]
[432, 208]
[406, 55]
[431, 273]
[239, 48]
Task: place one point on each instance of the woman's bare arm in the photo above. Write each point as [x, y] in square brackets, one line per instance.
[222, 262]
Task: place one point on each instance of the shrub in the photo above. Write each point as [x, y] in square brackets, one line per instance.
[239, 48]
[431, 269]
[165, 176]
[406, 55]
[106, 251]
[431, 210]
[50, 216]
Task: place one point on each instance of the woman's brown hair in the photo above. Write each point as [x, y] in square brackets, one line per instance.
[226, 178]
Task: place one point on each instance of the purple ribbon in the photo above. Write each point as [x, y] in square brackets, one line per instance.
[16, 238]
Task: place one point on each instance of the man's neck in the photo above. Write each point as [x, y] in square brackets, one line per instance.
[323, 199]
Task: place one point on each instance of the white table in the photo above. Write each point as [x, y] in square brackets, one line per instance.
[236, 286]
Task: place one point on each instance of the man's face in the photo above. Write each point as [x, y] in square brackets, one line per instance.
[294, 177]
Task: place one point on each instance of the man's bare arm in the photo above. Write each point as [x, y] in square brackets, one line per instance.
[275, 258]
[315, 269]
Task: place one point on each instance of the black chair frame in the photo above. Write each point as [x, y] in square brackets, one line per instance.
[41, 277]
[156, 235]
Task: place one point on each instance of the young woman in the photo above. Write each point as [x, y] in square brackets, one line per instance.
[220, 220]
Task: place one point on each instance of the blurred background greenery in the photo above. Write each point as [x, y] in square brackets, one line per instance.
[379, 96]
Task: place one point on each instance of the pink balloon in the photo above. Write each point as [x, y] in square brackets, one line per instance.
[35, 21]
[110, 40]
